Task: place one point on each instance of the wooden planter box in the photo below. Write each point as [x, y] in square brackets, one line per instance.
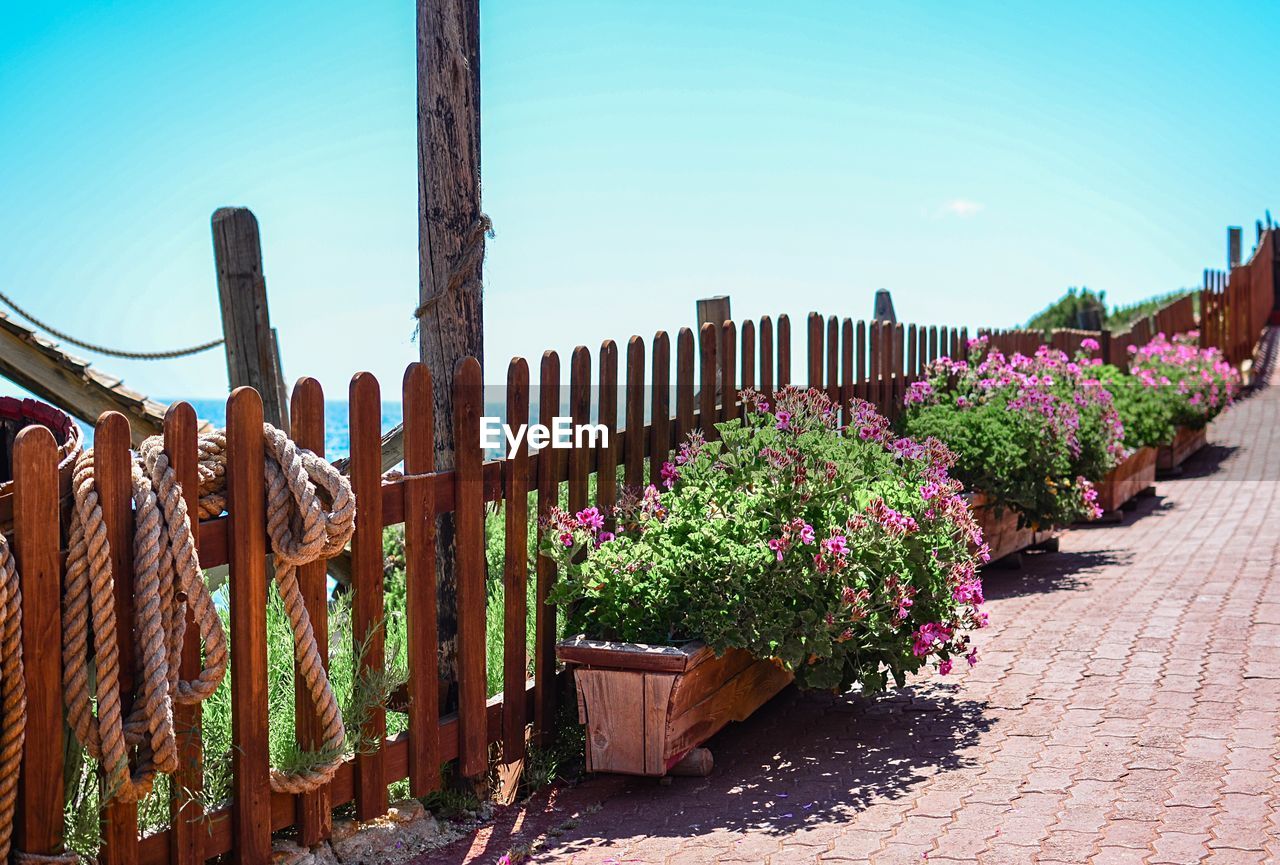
[647, 707]
[1186, 442]
[1127, 480]
[1000, 529]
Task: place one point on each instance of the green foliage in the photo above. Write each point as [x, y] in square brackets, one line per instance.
[788, 539]
[1087, 309]
[1145, 412]
[1034, 433]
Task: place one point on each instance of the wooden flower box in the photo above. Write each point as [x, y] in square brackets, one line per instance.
[1186, 443]
[646, 708]
[1129, 479]
[1000, 529]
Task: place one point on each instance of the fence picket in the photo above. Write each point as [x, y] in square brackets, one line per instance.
[368, 608]
[728, 354]
[832, 379]
[422, 648]
[468, 405]
[580, 411]
[38, 824]
[784, 350]
[660, 411]
[685, 391]
[814, 350]
[607, 411]
[708, 338]
[633, 473]
[515, 575]
[748, 372]
[549, 474]
[186, 814]
[766, 356]
[247, 554]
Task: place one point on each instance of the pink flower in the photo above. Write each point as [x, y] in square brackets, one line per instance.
[1089, 344]
[835, 545]
[604, 538]
[784, 420]
[806, 534]
[591, 518]
[566, 538]
[670, 474]
[972, 657]
[777, 545]
[944, 667]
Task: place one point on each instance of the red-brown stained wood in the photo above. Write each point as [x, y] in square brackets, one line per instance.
[861, 390]
[728, 354]
[246, 509]
[922, 348]
[1186, 443]
[660, 410]
[468, 405]
[962, 348]
[112, 463]
[784, 350]
[306, 418]
[815, 350]
[708, 339]
[1135, 473]
[899, 381]
[186, 814]
[913, 359]
[515, 572]
[633, 474]
[580, 411]
[686, 391]
[748, 372]
[423, 649]
[766, 356]
[367, 612]
[933, 343]
[875, 368]
[607, 468]
[832, 379]
[846, 366]
[544, 662]
[38, 823]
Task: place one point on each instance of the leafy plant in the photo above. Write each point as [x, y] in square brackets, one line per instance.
[1193, 384]
[1034, 433]
[845, 554]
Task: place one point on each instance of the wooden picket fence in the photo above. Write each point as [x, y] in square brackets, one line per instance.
[875, 361]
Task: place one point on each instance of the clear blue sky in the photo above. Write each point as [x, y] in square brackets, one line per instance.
[975, 158]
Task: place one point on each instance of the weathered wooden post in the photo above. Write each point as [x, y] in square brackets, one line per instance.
[1233, 246]
[714, 311]
[451, 238]
[253, 355]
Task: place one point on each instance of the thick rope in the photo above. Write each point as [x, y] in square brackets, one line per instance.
[464, 272]
[112, 352]
[13, 694]
[310, 515]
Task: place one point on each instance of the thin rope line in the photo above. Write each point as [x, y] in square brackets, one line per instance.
[112, 352]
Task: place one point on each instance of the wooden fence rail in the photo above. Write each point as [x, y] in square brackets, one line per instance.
[870, 360]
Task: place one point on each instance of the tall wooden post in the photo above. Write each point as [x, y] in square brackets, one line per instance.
[253, 356]
[451, 236]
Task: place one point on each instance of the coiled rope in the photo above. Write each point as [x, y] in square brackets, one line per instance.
[310, 515]
[111, 352]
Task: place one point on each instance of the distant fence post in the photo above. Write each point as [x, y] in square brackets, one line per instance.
[1234, 242]
[253, 356]
[715, 311]
[1104, 346]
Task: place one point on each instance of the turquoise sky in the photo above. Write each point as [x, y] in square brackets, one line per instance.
[975, 158]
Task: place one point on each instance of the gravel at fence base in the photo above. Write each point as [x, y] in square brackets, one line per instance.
[1124, 711]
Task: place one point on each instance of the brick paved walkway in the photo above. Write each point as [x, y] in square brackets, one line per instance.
[1126, 710]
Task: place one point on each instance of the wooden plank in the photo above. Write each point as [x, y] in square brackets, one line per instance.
[633, 656]
[246, 508]
[748, 372]
[315, 819]
[861, 389]
[708, 338]
[615, 736]
[368, 629]
[38, 822]
[580, 410]
[766, 356]
[815, 350]
[186, 814]
[832, 378]
[633, 475]
[727, 355]
[784, 350]
[515, 578]
[544, 661]
[846, 368]
[112, 464]
[685, 389]
[657, 699]
[468, 404]
[898, 371]
[735, 700]
[607, 414]
[423, 643]
[660, 408]
[242, 297]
